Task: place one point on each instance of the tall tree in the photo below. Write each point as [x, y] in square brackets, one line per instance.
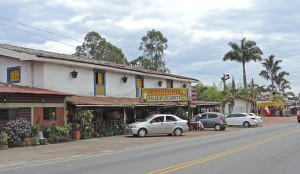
[244, 53]
[96, 47]
[153, 45]
[141, 62]
[272, 73]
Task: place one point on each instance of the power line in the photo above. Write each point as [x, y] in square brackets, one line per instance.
[38, 35]
[41, 29]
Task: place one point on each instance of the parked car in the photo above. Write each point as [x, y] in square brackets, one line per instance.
[213, 120]
[159, 124]
[258, 118]
[298, 116]
[241, 119]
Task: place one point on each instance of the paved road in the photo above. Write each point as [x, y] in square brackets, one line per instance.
[220, 152]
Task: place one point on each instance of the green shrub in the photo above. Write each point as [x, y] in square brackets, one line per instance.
[57, 133]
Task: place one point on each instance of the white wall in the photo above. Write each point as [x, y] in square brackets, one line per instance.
[58, 77]
[239, 106]
[26, 75]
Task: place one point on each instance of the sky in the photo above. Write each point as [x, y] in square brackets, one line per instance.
[198, 31]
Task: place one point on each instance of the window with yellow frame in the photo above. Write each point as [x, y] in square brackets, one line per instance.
[139, 83]
[169, 84]
[14, 75]
[99, 84]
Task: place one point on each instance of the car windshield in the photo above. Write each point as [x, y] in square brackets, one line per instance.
[148, 118]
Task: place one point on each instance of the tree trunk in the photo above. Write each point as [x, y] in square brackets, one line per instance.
[244, 76]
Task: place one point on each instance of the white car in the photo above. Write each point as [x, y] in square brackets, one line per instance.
[159, 124]
[258, 118]
[241, 119]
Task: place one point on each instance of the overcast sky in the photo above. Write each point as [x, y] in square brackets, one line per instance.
[198, 31]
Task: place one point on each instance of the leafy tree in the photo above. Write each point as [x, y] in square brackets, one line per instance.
[208, 93]
[153, 45]
[243, 53]
[96, 47]
[141, 62]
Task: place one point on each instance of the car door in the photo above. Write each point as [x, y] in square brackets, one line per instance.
[240, 118]
[156, 125]
[211, 119]
[204, 120]
[230, 119]
[170, 124]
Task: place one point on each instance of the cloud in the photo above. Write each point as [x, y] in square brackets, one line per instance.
[198, 31]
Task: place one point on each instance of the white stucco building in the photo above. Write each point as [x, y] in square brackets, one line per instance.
[237, 104]
[42, 69]
[111, 90]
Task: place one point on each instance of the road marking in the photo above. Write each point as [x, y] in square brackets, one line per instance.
[219, 155]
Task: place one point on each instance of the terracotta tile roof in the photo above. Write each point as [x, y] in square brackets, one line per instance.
[102, 101]
[18, 89]
[46, 54]
[115, 101]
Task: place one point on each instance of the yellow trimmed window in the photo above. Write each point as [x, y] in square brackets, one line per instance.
[139, 83]
[99, 84]
[169, 84]
[13, 75]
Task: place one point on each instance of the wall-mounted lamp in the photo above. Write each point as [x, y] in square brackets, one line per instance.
[4, 100]
[124, 79]
[43, 101]
[159, 83]
[184, 85]
[74, 74]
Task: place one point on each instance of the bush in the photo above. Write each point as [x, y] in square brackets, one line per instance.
[3, 138]
[17, 130]
[84, 118]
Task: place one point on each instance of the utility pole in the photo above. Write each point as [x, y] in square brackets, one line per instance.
[224, 78]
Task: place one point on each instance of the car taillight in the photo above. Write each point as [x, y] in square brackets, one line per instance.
[222, 119]
[253, 118]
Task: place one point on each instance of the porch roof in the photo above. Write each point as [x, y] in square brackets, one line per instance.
[18, 89]
[82, 101]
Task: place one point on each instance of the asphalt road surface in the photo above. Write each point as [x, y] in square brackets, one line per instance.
[269, 150]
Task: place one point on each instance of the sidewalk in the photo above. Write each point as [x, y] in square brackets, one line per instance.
[73, 149]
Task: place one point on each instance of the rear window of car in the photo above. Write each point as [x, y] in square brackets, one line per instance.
[212, 116]
[231, 116]
[241, 115]
[170, 119]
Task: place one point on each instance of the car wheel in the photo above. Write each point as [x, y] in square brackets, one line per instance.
[142, 132]
[298, 121]
[177, 132]
[246, 124]
[218, 127]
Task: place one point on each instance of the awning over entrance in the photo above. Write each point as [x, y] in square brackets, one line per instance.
[82, 101]
[269, 103]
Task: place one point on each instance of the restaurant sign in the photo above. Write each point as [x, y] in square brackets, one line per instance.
[164, 94]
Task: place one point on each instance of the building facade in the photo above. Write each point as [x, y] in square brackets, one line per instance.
[111, 90]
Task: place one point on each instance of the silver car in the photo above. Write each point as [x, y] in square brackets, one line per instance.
[159, 124]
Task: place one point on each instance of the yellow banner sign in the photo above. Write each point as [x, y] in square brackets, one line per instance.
[164, 94]
[267, 103]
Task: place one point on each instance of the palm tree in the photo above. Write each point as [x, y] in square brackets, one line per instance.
[243, 53]
[271, 71]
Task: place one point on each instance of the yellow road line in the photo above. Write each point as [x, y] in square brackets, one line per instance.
[219, 155]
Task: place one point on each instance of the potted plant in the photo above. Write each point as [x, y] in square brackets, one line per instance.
[76, 132]
[3, 140]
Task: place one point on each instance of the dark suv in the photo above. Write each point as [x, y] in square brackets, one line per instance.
[213, 120]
